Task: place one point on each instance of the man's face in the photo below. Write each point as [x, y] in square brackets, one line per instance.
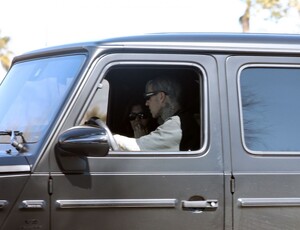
[154, 103]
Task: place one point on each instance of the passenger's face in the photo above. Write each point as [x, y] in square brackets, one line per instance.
[138, 110]
[154, 103]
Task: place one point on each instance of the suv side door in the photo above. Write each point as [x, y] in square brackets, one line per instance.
[264, 117]
[143, 191]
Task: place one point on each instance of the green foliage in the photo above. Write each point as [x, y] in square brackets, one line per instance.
[276, 8]
[4, 52]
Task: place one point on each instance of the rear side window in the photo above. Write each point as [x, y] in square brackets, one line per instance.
[270, 108]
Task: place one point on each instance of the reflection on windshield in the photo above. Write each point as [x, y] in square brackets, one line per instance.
[32, 93]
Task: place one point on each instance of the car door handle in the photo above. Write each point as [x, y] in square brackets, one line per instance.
[33, 204]
[200, 204]
[3, 203]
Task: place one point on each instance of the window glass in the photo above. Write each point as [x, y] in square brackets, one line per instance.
[32, 93]
[270, 108]
[99, 103]
[125, 109]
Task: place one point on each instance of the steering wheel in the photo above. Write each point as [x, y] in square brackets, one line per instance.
[97, 121]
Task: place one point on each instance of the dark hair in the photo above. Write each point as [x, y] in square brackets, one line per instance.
[140, 102]
[127, 129]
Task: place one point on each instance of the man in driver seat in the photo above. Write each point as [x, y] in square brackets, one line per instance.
[178, 130]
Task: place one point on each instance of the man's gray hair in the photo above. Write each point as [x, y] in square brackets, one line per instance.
[169, 85]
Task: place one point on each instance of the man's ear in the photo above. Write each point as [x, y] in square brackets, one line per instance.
[162, 96]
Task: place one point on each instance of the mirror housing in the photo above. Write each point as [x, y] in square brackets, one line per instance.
[84, 140]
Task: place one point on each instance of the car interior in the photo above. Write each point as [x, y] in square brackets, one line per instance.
[127, 82]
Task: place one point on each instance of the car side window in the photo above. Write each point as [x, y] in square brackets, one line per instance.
[126, 102]
[270, 110]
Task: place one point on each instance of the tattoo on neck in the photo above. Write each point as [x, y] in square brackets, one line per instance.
[168, 111]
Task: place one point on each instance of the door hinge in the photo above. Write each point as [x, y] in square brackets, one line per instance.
[50, 186]
[232, 185]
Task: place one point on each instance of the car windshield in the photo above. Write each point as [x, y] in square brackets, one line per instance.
[32, 93]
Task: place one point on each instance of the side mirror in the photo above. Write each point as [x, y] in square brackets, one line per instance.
[83, 140]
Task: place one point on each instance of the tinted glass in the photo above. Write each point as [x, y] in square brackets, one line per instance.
[270, 108]
[126, 96]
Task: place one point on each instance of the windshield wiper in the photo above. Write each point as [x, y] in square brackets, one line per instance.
[13, 140]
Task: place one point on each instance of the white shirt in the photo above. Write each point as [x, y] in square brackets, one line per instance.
[166, 137]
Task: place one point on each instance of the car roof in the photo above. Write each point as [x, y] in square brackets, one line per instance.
[206, 37]
[214, 42]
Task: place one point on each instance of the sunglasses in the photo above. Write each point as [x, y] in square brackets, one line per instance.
[148, 95]
[133, 116]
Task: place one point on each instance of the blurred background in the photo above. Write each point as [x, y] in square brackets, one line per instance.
[34, 24]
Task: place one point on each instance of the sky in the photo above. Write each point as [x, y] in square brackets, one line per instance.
[34, 24]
